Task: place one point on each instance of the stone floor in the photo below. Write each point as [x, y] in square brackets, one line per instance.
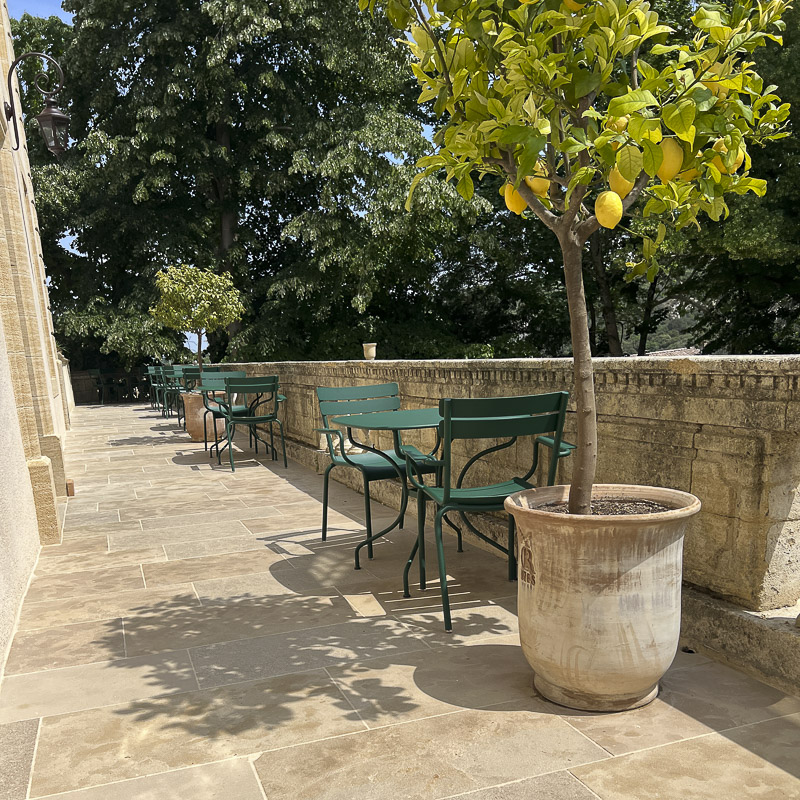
[193, 638]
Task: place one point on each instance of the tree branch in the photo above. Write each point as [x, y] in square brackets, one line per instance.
[535, 205]
[423, 20]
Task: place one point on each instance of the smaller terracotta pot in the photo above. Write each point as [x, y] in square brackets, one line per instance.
[369, 350]
[600, 596]
[194, 409]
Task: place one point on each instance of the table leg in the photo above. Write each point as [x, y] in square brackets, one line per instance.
[403, 501]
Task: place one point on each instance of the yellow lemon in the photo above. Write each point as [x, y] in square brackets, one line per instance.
[538, 183]
[689, 174]
[573, 6]
[712, 76]
[673, 159]
[617, 124]
[539, 186]
[514, 200]
[622, 186]
[608, 209]
[719, 147]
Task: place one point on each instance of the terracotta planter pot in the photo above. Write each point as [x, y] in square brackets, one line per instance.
[193, 404]
[600, 597]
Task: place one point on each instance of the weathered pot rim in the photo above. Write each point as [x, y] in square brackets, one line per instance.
[686, 504]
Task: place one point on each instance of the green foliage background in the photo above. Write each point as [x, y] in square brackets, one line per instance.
[277, 140]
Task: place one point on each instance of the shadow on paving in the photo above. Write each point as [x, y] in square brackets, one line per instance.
[270, 651]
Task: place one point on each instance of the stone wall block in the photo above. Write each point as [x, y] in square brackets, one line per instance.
[716, 547]
[781, 584]
[44, 497]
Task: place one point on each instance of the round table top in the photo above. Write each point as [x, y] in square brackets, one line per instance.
[403, 420]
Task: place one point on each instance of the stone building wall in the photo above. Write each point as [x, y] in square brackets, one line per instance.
[724, 428]
[34, 382]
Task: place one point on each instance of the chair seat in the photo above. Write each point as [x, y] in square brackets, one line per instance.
[376, 467]
[496, 493]
[218, 412]
[245, 418]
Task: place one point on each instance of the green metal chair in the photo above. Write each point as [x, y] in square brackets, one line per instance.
[157, 385]
[212, 385]
[151, 385]
[491, 418]
[261, 403]
[171, 388]
[343, 401]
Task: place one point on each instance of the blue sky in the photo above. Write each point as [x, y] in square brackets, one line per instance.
[38, 8]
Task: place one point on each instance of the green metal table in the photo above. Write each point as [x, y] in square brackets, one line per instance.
[412, 419]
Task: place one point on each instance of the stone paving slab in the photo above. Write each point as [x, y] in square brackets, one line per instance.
[192, 637]
[17, 743]
[234, 779]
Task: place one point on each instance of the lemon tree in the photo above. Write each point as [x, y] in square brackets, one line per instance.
[601, 101]
[196, 300]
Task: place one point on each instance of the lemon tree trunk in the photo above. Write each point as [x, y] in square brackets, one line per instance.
[200, 351]
[585, 463]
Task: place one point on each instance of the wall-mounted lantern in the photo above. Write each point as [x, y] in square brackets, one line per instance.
[53, 122]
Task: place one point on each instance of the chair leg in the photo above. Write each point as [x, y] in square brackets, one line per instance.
[205, 431]
[230, 430]
[512, 558]
[421, 508]
[407, 569]
[368, 516]
[272, 441]
[437, 530]
[325, 481]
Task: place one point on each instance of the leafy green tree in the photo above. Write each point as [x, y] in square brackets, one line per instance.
[196, 300]
[561, 101]
[318, 164]
[747, 291]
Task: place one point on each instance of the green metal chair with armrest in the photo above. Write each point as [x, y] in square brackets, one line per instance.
[260, 407]
[151, 387]
[157, 384]
[347, 400]
[490, 418]
[210, 386]
[171, 388]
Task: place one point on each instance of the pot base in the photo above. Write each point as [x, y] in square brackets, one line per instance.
[585, 702]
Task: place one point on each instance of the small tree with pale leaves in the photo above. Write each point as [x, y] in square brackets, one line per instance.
[196, 300]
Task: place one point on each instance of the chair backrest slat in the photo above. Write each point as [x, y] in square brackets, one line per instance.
[346, 407]
[217, 381]
[358, 392]
[522, 406]
[260, 385]
[501, 427]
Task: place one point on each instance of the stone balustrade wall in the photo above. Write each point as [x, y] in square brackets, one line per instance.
[723, 428]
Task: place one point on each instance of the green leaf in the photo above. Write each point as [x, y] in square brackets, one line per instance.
[496, 108]
[585, 82]
[629, 162]
[633, 101]
[652, 157]
[679, 117]
[465, 187]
